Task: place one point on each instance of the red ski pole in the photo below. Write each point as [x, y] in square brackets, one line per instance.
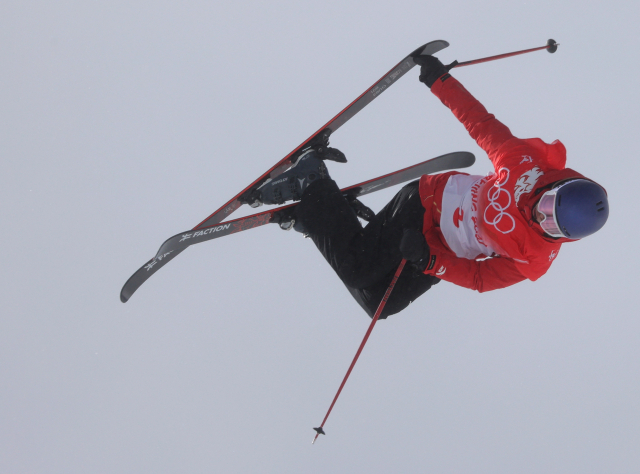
[376, 316]
[551, 46]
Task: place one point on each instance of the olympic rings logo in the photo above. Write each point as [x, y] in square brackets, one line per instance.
[502, 220]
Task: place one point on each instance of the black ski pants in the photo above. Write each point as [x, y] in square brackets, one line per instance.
[366, 258]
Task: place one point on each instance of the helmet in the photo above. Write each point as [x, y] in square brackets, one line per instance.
[574, 209]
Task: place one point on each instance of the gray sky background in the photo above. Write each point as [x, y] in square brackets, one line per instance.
[123, 123]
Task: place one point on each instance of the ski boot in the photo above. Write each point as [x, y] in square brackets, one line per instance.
[290, 185]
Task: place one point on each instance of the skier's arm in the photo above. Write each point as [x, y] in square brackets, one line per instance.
[484, 128]
[479, 275]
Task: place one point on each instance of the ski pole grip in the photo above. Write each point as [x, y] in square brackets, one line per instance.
[552, 46]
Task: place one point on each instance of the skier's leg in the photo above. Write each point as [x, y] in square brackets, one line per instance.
[409, 287]
[377, 249]
[365, 259]
[379, 246]
[360, 257]
[327, 218]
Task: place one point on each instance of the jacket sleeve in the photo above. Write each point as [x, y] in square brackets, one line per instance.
[480, 275]
[484, 128]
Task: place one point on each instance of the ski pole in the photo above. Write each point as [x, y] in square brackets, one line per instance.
[376, 316]
[551, 46]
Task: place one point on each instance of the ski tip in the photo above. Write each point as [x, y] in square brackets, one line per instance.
[469, 159]
[125, 293]
[552, 46]
[430, 48]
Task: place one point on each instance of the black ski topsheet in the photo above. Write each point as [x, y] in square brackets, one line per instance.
[176, 244]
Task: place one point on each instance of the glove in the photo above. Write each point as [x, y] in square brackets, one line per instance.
[414, 248]
[440, 255]
[431, 69]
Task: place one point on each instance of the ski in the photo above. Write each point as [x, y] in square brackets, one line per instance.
[321, 137]
[323, 134]
[181, 241]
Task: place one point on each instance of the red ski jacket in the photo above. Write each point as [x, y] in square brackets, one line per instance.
[481, 230]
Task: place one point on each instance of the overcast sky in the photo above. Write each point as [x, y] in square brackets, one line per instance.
[124, 123]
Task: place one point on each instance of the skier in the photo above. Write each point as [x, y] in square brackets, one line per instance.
[482, 233]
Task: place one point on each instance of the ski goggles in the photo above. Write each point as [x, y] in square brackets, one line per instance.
[547, 207]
